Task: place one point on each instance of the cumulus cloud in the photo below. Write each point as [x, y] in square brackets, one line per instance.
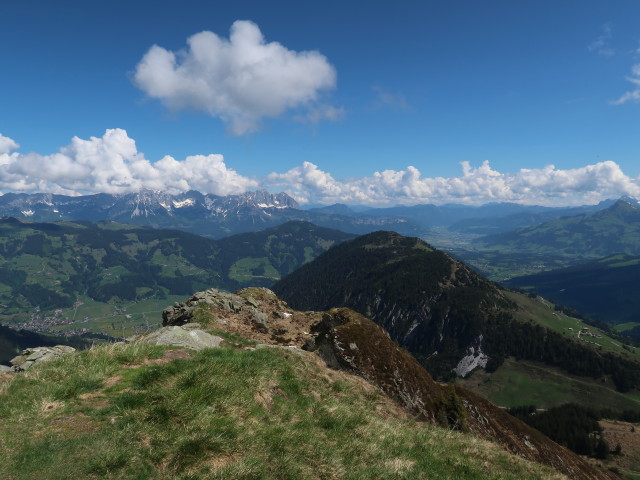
[7, 144]
[112, 164]
[476, 185]
[601, 44]
[631, 95]
[239, 80]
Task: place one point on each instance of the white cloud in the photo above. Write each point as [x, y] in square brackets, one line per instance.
[112, 164]
[239, 80]
[601, 44]
[631, 95]
[7, 144]
[546, 186]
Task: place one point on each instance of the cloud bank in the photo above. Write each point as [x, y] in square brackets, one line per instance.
[546, 186]
[112, 164]
[240, 80]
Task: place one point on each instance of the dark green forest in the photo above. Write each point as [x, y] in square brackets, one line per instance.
[429, 303]
[50, 265]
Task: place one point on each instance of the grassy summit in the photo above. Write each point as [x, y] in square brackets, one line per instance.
[146, 412]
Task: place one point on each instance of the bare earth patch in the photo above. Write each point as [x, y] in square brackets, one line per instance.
[628, 436]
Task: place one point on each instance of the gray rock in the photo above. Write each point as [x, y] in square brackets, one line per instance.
[5, 369]
[260, 319]
[31, 356]
[182, 313]
[253, 302]
[177, 336]
[178, 314]
[24, 366]
[191, 326]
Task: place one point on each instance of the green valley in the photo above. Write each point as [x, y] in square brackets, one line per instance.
[79, 277]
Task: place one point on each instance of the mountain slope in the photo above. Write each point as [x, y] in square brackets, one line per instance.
[613, 230]
[50, 272]
[529, 216]
[415, 292]
[349, 342]
[447, 316]
[117, 412]
[605, 290]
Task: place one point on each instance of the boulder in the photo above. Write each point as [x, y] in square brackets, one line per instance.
[34, 355]
[5, 369]
[187, 336]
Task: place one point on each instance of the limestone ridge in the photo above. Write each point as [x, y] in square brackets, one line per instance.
[348, 341]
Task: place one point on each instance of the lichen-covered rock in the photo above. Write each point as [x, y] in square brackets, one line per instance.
[5, 369]
[34, 355]
[181, 313]
[251, 302]
[186, 336]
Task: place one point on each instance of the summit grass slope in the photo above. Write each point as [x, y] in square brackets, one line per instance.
[147, 412]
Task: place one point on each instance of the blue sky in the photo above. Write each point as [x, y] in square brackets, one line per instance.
[392, 85]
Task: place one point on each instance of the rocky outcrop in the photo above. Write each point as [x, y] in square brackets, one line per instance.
[245, 301]
[188, 336]
[30, 356]
[473, 359]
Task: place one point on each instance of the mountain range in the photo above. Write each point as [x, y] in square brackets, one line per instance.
[218, 216]
[194, 212]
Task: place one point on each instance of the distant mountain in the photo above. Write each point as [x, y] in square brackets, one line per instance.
[606, 290]
[208, 215]
[483, 219]
[50, 266]
[337, 208]
[218, 216]
[486, 225]
[450, 318]
[615, 229]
